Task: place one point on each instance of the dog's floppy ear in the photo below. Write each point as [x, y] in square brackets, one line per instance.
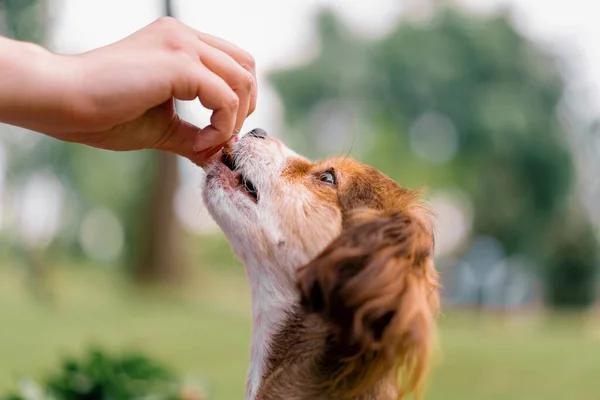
[377, 286]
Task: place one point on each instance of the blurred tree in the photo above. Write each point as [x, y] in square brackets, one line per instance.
[160, 256]
[138, 188]
[457, 101]
[571, 270]
[25, 20]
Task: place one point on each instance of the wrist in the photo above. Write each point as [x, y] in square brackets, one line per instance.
[19, 66]
[37, 87]
[68, 77]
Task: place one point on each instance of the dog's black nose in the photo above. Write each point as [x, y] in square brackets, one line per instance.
[258, 133]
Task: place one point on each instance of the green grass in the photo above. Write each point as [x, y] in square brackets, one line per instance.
[492, 357]
[203, 331]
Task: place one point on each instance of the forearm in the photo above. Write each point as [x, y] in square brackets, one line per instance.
[36, 87]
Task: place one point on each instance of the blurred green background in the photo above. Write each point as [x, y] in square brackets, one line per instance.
[114, 249]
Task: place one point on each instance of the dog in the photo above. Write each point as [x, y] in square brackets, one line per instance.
[340, 263]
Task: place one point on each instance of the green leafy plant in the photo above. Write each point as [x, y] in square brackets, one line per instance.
[101, 376]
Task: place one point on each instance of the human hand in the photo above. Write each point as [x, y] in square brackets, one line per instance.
[121, 97]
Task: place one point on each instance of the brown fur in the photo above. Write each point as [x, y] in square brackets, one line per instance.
[365, 326]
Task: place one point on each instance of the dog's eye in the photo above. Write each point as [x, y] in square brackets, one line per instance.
[328, 177]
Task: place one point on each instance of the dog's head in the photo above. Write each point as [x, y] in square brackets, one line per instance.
[352, 244]
[274, 206]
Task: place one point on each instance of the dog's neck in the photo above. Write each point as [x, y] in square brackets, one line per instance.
[288, 355]
[274, 296]
[302, 365]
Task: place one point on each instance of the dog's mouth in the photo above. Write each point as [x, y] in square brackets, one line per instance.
[245, 184]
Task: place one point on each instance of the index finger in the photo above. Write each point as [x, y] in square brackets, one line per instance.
[242, 57]
[215, 94]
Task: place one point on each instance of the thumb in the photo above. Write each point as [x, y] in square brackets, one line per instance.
[182, 138]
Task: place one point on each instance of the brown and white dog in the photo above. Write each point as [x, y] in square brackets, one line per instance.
[339, 258]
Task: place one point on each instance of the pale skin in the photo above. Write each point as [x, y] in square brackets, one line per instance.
[121, 97]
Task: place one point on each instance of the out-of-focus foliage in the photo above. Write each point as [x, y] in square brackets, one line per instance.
[128, 188]
[23, 19]
[571, 270]
[458, 101]
[92, 178]
[101, 376]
